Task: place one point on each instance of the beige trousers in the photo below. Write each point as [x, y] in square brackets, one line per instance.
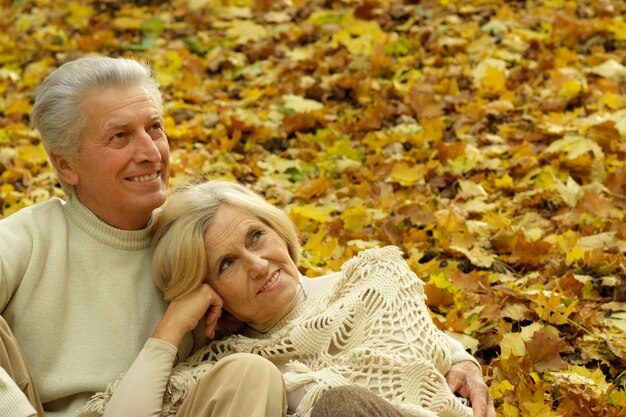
[241, 385]
[12, 360]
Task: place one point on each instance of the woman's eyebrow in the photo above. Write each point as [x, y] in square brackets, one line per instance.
[250, 231]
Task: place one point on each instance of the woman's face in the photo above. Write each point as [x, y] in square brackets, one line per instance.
[249, 266]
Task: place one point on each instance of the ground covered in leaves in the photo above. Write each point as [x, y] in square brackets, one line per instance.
[486, 139]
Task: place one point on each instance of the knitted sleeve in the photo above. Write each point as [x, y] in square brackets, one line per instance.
[15, 252]
[458, 352]
[13, 402]
[16, 248]
[139, 393]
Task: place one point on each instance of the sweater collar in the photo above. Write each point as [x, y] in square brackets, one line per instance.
[104, 233]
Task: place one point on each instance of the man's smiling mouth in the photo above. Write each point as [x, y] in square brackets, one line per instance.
[144, 178]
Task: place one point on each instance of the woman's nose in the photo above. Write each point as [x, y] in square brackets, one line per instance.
[257, 266]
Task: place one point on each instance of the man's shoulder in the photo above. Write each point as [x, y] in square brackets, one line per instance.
[43, 211]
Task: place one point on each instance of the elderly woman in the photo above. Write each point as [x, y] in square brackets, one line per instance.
[366, 326]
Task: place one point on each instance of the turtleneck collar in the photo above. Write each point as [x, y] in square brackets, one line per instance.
[88, 222]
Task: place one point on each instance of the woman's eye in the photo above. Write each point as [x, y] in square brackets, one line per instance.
[157, 126]
[225, 264]
[118, 135]
[256, 236]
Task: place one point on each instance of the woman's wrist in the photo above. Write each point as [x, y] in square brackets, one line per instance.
[168, 332]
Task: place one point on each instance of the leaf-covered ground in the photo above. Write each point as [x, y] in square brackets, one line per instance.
[487, 139]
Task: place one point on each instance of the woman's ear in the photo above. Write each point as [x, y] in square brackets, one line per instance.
[64, 168]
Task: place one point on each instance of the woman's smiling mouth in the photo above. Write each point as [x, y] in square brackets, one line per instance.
[269, 285]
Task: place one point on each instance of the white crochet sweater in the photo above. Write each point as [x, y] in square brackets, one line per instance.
[372, 328]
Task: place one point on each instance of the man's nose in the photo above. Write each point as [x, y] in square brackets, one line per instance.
[146, 149]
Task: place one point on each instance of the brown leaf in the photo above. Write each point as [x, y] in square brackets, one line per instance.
[424, 102]
[530, 253]
[544, 352]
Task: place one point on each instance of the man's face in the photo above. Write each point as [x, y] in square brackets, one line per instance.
[122, 168]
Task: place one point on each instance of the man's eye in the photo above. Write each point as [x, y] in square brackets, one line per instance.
[157, 126]
[118, 135]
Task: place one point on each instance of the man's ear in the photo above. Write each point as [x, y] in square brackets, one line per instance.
[64, 168]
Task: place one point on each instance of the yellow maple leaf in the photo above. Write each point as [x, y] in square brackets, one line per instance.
[440, 281]
[433, 128]
[359, 36]
[504, 182]
[570, 89]
[31, 154]
[168, 67]
[498, 389]
[300, 104]
[611, 100]
[36, 71]
[475, 254]
[318, 250]
[494, 81]
[538, 409]
[320, 214]
[618, 27]
[575, 254]
[553, 307]
[244, 31]
[571, 192]
[593, 380]
[512, 344]
[19, 106]
[406, 174]
[609, 69]
[79, 14]
[488, 68]
[618, 398]
[128, 22]
[356, 218]
[575, 146]
[470, 189]
[618, 320]
[510, 410]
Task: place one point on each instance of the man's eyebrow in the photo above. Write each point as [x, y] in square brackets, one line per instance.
[123, 125]
[116, 125]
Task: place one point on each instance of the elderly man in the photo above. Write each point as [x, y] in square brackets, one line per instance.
[76, 287]
[76, 284]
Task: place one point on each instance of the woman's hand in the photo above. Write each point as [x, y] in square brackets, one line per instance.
[466, 379]
[185, 312]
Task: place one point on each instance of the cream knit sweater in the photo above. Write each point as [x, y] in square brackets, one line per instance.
[372, 328]
[80, 299]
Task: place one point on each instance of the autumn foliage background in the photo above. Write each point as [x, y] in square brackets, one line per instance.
[486, 139]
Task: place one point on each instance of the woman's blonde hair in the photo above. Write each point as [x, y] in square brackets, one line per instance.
[179, 255]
